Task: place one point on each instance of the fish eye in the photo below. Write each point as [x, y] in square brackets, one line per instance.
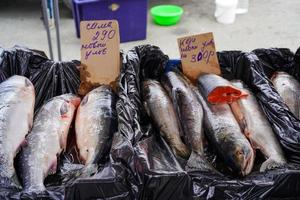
[64, 108]
[27, 83]
[85, 100]
[238, 153]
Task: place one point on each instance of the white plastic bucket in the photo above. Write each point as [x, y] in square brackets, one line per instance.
[225, 11]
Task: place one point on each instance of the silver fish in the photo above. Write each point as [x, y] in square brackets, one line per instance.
[189, 109]
[17, 98]
[47, 139]
[96, 122]
[159, 107]
[190, 114]
[257, 128]
[289, 90]
[225, 135]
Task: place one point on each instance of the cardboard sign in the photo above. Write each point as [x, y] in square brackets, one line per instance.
[100, 53]
[198, 55]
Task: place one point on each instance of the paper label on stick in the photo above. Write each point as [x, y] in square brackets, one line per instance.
[100, 53]
[198, 55]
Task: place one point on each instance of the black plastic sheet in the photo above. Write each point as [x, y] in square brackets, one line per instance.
[120, 179]
[279, 183]
[141, 165]
[252, 69]
[50, 78]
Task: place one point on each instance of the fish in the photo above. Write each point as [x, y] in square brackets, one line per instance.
[46, 140]
[289, 90]
[190, 114]
[159, 107]
[17, 99]
[257, 128]
[216, 89]
[224, 133]
[95, 124]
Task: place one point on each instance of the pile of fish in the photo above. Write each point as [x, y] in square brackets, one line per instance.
[40, 139]
[225, 112]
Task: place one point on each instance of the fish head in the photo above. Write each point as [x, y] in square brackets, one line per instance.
[67, 108]
[151, 87]
[96, 94]
[21, 82]
[71, 99]
[241, 157]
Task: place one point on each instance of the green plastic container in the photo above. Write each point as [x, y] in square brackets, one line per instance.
[166, 15]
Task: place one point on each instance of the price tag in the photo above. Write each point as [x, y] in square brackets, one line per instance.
[100, 53]
[198, 55]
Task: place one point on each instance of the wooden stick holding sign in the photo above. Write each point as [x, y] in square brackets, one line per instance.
[100, 53]
[198, 55]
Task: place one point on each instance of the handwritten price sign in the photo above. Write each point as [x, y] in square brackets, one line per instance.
[198, 55]
[100, 53]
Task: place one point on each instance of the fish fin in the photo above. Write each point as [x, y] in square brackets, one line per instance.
[53, 167]
[89, 170]
[62, 143]
[176, 105]
[270, 163]
[13, 181]
[30, 121]
[199, 162]
[147, 108]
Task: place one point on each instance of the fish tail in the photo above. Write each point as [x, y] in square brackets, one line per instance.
[199, 162]
[181, 150]
[84, 172]
[271, 163]
[15, 181]
[10, 182]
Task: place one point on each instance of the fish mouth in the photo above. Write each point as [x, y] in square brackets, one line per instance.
[75, 101]
[71, 98]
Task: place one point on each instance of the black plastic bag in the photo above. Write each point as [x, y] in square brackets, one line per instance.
[158, 174]
[50, 78]
[251, 69]
[279, 183]
[114, 180]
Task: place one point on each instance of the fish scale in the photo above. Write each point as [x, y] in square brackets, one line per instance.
[17, 105]
[96, 122]
[46, 141]
[190, 113]
[289, 90]
[225, 135]
[257, 128]
[160, 108]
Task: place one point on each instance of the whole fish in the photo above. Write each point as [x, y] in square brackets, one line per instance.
[225, 135]
[47, 139]
[289, 90]
[17, 100]
[159, 107]
[257, 128]
[190, 114]
[96, 122]
[216, 89]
